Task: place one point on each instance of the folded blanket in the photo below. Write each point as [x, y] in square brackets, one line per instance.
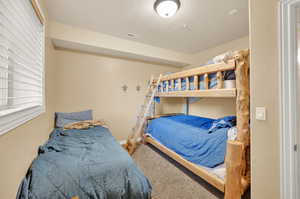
[85, 124]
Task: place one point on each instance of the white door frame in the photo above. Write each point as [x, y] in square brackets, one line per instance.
[288, 101]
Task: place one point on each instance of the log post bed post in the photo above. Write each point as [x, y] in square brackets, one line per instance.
[237, 160]
[234, 166]
[233, 161]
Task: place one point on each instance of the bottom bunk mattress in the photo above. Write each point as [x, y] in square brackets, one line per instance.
[199, 140]
[219, 171]
[85, 163]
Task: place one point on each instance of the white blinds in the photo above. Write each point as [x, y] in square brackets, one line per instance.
[21, 63]
[21, 56]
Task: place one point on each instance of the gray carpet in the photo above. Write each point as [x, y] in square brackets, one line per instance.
[170, 180]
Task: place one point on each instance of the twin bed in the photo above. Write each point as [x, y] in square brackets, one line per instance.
[87, 163]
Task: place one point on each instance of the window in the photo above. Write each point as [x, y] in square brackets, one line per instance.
[22, 40]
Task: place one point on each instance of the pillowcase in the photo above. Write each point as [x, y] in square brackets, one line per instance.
[63, 119]
[228, 119]
[232, 133]
[225, 122]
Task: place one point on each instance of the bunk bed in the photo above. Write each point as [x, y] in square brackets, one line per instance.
[197, 83]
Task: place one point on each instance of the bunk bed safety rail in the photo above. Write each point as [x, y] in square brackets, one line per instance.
[205, 81]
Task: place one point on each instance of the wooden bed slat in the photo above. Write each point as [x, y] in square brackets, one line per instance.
[196, 82]
[209, 177]
[213, 93]
[219, 80]
[163, 115]
[179, 84]
[206, 81]
[172, 84]
[187, 84]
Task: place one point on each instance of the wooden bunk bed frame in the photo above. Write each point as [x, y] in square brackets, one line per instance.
[237, 160]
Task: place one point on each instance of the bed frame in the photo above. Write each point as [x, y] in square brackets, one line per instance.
[237, 160]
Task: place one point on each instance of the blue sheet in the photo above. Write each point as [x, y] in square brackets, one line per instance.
[192, 138]
[195, 121]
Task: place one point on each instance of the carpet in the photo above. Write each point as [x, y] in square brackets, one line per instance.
[170, 180]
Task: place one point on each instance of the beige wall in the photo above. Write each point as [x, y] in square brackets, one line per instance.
[213, 108]
[264, 92]
[170, 105]
[87, 81]
[202, 57]
[19, 146]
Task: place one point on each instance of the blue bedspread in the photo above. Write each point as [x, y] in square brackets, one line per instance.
[84, 163]
[192, 138]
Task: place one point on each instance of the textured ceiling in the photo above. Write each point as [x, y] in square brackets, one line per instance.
[208, 21]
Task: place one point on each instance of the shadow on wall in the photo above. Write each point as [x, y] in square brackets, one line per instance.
[212, 108]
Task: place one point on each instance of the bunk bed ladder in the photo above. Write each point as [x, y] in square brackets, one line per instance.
[142, 116]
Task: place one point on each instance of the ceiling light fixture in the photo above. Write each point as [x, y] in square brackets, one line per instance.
[233, 12]
[166, 8]
[132, 35]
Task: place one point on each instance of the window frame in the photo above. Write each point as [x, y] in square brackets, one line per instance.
[6, 91]
[12, 118]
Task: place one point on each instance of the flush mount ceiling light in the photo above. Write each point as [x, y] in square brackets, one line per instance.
[166, 8]
[233, 12]
[132, 35]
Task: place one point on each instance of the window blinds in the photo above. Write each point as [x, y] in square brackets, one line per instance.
[21, 52]
[21, 57]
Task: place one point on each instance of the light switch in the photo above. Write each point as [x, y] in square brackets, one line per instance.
[261, 113]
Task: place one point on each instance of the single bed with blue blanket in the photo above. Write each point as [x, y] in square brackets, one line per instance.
[85, 163]
[199, 140]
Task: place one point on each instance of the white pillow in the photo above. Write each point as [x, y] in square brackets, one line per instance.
[232, 133]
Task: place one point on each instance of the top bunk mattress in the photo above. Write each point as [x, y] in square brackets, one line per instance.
[199, 140]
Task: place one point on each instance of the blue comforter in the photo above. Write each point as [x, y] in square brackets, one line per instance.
[84, 163]
[199, 140]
